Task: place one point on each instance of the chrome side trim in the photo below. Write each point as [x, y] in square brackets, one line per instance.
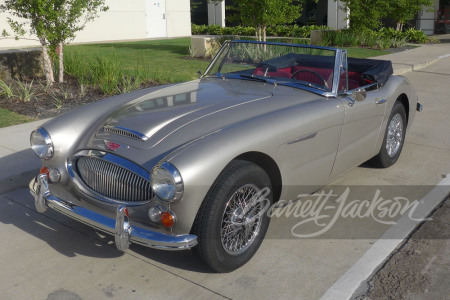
[134, 234]
[380, 101]
[125, 132]
[303, 138]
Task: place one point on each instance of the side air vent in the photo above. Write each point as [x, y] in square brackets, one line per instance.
[125, 132]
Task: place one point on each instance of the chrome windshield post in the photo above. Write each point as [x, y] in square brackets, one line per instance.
[340, 66]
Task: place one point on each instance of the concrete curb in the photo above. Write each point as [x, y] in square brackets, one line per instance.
[356, 278]
[400, 69]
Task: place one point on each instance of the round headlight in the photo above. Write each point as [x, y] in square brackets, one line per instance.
[41, 143]
[167, 182]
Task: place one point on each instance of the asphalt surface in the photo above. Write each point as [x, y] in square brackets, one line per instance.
[52, 257]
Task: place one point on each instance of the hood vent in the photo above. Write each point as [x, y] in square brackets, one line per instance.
[125, 132]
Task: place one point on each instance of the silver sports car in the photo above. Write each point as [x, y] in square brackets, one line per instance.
[200, 164]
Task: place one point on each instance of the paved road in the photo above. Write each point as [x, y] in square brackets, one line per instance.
[45, 256]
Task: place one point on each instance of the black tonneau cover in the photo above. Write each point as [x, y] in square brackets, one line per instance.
[374, 70]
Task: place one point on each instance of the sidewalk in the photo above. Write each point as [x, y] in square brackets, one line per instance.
[18, 164]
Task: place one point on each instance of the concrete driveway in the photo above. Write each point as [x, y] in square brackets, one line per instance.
[52, 257]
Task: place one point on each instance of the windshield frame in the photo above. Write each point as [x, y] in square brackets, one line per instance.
[339, 67]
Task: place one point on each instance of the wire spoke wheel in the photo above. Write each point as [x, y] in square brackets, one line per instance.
[232, 221]
[394, 135]
[241, 219]
[394, 138]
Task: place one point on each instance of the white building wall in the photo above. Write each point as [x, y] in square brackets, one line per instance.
[125, 20]
[178, 18]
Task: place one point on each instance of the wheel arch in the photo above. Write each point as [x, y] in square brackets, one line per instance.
[403, 99]
[269, 165]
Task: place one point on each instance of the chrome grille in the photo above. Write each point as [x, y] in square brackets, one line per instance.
[125, 132]
[113, 181]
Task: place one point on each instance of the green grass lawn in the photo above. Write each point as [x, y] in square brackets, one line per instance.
[163, 60]
[365, 53]
[8, 118]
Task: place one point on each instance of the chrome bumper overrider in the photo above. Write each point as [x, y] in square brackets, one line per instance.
[120, 227]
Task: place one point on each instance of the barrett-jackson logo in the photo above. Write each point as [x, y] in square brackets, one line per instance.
[114, 146]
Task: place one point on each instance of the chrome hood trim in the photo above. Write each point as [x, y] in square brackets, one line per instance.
[156, 115]
[178, 114]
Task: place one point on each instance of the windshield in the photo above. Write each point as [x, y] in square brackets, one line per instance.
[294, 65]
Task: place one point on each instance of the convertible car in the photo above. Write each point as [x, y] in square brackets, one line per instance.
[198, 165]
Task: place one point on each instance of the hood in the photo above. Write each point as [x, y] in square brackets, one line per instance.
[180, 113]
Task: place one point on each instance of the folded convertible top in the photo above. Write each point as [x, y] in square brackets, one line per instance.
[374, 70]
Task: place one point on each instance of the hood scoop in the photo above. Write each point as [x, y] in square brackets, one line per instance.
[125, 132]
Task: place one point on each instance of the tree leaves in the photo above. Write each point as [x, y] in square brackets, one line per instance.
[54, 22]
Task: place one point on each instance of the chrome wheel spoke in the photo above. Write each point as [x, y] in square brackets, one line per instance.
[241, 220]
[394, 135]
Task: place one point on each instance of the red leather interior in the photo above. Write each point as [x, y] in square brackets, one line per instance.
[354, 78]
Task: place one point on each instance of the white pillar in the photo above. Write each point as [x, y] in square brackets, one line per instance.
[216, 13]
[337, 16]
[427, 19]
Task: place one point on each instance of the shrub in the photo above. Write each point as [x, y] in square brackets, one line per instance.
[277, 31]
[416, 36]
[377, 39]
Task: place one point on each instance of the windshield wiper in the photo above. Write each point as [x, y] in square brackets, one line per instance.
[263, 79]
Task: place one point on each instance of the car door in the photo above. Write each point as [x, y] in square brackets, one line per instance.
[307, 155]
[361, 130]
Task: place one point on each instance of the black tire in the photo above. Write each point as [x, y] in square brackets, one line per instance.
[221, 216]
[393, 141]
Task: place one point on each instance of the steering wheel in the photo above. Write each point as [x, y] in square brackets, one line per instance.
[325, 83]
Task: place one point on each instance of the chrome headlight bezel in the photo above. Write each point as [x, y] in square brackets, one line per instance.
[166, 182]
[42, 143]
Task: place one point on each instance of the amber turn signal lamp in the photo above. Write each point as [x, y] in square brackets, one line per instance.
[168, 219]
[45, 170]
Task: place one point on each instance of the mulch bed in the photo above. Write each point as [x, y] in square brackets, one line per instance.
[55, 100]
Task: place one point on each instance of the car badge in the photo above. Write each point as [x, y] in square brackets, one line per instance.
[114, 146]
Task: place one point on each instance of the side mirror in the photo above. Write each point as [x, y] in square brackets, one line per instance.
[199, 74]
[359, 94]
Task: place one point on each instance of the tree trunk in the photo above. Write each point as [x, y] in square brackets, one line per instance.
[48, 68]
[61, 62]
[264, 27]
[399, 26]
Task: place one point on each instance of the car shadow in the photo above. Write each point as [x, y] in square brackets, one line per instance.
[59, 232]
[368, 165]
[183, 259]
[72, 238]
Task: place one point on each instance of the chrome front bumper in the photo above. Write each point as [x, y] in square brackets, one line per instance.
[120, 227]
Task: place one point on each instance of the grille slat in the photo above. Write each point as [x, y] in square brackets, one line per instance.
[113, 181]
